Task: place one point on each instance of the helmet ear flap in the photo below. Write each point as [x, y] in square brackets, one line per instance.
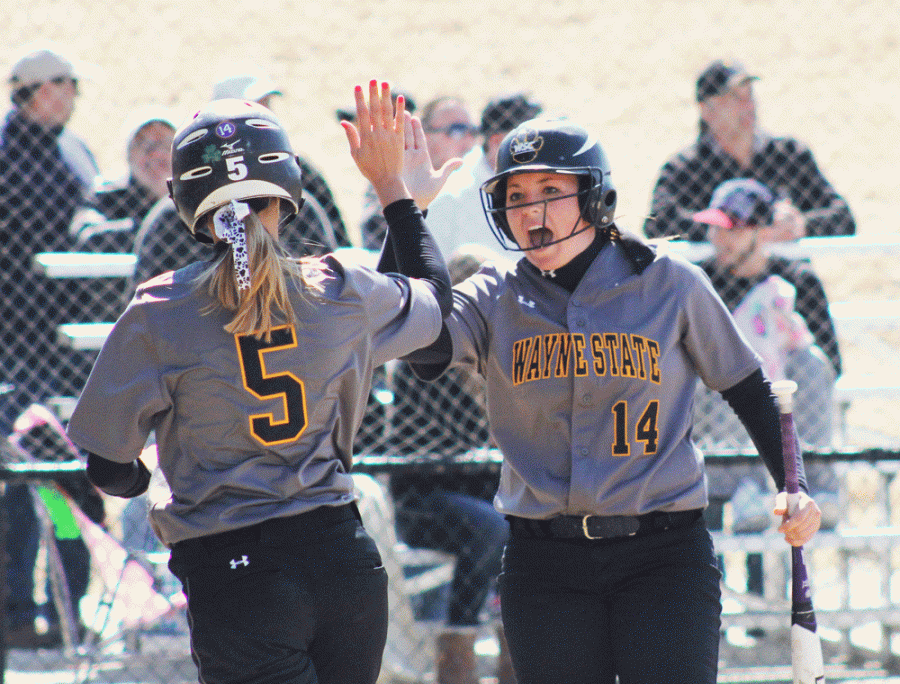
[497, 212]
[607, 206]
[598, 200]
[498, 197]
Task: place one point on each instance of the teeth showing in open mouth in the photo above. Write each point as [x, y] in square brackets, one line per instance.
[540, 236]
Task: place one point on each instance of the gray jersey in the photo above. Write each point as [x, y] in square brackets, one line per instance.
[590, 394]
[248, 430]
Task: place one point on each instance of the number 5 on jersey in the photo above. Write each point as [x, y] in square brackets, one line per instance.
[265, 427]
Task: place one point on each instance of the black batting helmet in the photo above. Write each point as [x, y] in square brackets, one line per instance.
[558, 146]
[231, 150]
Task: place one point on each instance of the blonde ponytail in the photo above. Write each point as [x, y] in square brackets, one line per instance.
[273, 273]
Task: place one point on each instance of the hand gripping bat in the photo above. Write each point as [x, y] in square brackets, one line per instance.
[806, 648]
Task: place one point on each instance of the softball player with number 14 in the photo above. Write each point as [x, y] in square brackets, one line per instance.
[253, 370]
[591, 346]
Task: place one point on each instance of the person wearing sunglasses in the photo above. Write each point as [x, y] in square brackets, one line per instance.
[449, 129]
[456, 217]
[449, 133]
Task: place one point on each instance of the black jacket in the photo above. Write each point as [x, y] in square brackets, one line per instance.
[785, 165]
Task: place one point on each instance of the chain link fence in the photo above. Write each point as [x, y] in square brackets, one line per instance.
[433, 521]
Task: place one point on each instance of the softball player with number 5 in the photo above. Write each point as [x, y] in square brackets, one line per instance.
[591, 346]
[253, 370]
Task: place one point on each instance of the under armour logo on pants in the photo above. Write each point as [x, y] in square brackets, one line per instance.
[235, 562]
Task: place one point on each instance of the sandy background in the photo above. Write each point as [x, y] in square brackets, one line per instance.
[830, 75]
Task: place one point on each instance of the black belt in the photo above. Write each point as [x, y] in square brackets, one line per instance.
[601, 526]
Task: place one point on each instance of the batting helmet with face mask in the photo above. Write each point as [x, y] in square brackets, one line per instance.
[557, 146]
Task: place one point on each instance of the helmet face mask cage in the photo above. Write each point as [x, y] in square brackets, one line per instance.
[495, 208]
[232, 150]
[550, 146]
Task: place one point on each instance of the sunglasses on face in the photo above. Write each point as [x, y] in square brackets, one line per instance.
[60, 80]
[455, 130]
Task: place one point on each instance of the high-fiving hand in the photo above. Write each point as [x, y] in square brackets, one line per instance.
[377, 141]
[422, 179]
[390, 149]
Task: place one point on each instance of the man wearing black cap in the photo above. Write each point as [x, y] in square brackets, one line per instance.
[731, 145]
[456, 217]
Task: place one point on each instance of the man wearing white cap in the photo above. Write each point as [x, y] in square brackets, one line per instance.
[44, 85]
[252, 85]
[46, 173]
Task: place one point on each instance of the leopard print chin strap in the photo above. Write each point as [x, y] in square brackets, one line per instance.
[229, 225]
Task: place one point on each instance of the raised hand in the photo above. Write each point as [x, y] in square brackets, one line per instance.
[422, 179]
[377, 141]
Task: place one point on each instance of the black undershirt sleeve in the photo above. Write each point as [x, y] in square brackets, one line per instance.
[126, 480]
[410, 250]
[753, 402]
[430, 362]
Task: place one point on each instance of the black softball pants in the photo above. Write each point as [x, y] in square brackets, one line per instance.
[646, 608]
[298, 600]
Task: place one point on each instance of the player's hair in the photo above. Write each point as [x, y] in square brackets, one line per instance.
[267, 303]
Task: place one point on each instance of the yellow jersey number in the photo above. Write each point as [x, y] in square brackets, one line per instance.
[287, 387]
[646, 429]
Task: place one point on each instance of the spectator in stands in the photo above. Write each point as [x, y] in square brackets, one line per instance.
[253, 84]
[46, 173]
[120, 204]
[731, 145]
[448, 511]
[449, 133]
[163, 244]
[456, 216]
[781, 307]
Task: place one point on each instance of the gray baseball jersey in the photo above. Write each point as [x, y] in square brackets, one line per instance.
[248, 430]
[590, 395]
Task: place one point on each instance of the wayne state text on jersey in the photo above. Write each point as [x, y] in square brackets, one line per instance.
[557, 354]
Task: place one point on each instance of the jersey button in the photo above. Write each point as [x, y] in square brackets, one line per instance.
[586, 398]
[580, 322]
[584, 451]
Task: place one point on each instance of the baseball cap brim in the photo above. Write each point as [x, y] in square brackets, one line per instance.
[252, 87]
[715, 217]
[720, 77]
[260, 89]
[45, 62]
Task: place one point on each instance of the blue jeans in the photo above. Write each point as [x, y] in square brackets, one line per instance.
[466, 526]
[298, 600]
[645, 608]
